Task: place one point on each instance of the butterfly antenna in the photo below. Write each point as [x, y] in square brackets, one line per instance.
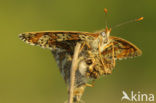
[106, 11]
[127, 22]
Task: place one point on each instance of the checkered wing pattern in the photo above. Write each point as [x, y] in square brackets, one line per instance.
[59, 39]
[122, 49]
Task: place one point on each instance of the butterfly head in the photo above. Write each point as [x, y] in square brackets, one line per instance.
[104, 35]
[102, 39]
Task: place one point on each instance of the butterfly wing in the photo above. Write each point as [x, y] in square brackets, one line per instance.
[58, 39]
[122, 49]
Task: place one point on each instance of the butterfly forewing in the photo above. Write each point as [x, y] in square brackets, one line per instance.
[122, 49]
[58, 39]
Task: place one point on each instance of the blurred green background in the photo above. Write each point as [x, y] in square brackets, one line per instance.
[29, 74]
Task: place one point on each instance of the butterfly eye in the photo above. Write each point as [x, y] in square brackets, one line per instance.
[103, 34]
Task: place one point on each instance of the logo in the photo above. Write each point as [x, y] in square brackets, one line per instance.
[137, 97]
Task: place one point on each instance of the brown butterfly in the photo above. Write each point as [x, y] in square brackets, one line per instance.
[98, 53]
[62, 45]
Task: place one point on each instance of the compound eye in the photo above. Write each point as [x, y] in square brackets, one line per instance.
[89, 62]
[103, 34]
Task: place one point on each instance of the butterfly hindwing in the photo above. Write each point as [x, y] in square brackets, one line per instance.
[122, 49]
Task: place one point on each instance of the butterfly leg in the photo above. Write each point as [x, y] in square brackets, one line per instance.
[113, 55]
[111, 44]
[90, 85]
[101, 59]
[83, 45]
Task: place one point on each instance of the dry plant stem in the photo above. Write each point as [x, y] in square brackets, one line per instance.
[72, 73]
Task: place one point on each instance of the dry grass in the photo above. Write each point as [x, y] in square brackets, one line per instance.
[72, 73]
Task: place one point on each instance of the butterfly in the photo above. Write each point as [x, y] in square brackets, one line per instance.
[62, 44]
[99, 51]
